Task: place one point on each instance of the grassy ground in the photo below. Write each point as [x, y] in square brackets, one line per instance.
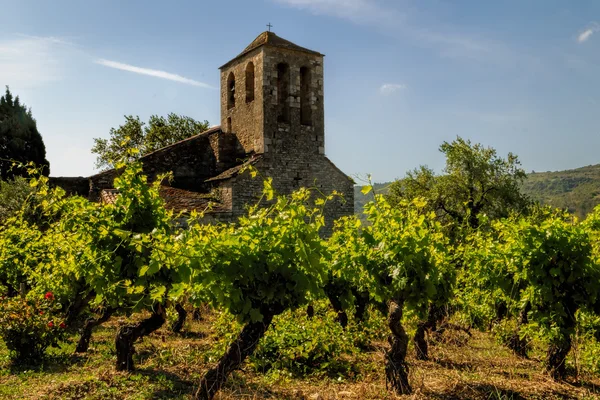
[169, 366]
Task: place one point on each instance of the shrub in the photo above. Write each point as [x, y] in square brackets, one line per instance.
[301, 346]
[29, 327]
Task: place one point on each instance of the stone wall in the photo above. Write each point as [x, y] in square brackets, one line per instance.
[293, 136]
[75, 186]
[292, 173]
[192, 161]
[256, 123]
[245, 119]
[103, 180]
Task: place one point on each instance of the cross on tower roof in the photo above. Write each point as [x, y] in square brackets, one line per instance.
[269, 26]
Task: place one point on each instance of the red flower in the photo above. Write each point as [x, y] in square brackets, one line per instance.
[50, 324]
[49, 296]
[62, 325]
[41, 313]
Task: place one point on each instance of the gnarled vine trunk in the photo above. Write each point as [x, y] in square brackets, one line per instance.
[197, 314]
[310, 311]
[396, 368]
[560, 347]
[556, 357]
[434, 315]
[242, 347]
[74, 310]
[361, 301]
[128, 334]
[420, 342]
[516, 343]
[333, 296]
[181, 316]
[10, 290]
[90, 324]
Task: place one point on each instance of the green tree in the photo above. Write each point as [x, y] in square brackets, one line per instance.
[134, 133]
[20, 140]
[475, 181]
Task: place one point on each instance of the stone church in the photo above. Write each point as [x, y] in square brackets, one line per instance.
[272, 117]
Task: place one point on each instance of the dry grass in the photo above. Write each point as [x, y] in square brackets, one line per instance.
[169, 367]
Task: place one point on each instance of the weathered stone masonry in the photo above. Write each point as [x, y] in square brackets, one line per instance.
[272, 116]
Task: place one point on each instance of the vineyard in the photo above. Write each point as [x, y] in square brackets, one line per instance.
[115, 301]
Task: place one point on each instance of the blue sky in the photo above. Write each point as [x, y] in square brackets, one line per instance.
[401, 76]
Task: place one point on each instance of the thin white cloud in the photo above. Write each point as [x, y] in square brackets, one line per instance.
[588, 32]
[391, 88]
[49, 39]
[151, 72]
[28, 61]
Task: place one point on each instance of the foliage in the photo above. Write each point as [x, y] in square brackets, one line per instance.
[23, 248]
[362, 198]
[107, 250]
[587, 342]
[264, 268]
[576, 190]
[29, 327]
[267, 263]
[307, 346]
[13, 194]
[134, 134]
[542, 264]
[592, 225]
[20, 140]
[122, 265]
[301, 346]
[400, 254]
[475, 181]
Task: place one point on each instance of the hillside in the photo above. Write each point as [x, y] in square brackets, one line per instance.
[578, 190]
[360, 199]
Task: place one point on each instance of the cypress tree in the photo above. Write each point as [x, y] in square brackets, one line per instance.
[19, 138]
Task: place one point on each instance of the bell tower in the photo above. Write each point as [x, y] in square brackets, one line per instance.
[272, 98]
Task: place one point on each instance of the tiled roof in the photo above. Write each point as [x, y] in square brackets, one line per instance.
[271, 39]
[175, 199]
[211, 131]
[108, 196]
[231, 172]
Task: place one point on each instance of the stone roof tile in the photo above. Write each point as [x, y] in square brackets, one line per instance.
[175, 199]
[234, 171]
[271, 39]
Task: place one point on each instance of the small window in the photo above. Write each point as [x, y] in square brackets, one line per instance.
[283, 92]
[249, 82]
[229, 125]
[231, 90]
[305, 109]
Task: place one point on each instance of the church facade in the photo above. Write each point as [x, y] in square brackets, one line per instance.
[272, 117]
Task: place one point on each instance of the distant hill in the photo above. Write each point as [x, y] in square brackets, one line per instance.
[577, 190]
[360, 199]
